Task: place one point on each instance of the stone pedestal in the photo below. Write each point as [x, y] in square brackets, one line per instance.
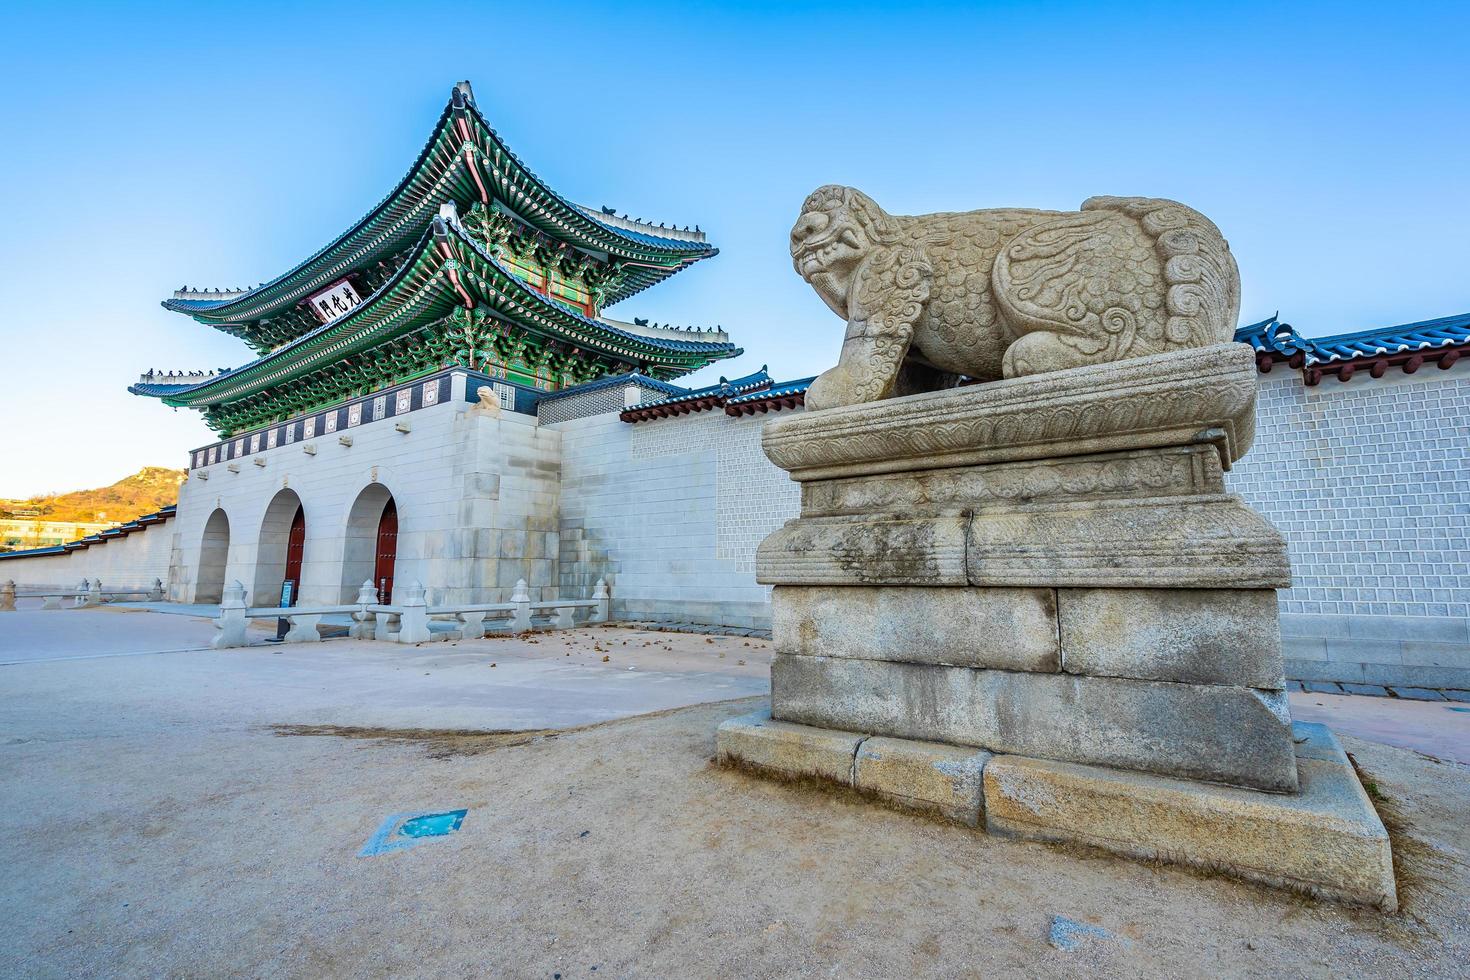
[1047, 568]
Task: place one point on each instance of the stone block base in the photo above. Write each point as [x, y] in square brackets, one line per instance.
[1325, 839]
[924, 776]
[1233, 735]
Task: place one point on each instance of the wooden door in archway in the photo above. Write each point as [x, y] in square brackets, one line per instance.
[386, 553]
[295, 547]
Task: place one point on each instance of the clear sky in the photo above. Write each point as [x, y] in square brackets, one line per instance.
[148, 146]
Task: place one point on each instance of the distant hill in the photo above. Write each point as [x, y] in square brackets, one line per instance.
[144, 492]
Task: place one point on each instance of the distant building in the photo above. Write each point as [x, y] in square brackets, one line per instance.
[18, 533]
[356, 447]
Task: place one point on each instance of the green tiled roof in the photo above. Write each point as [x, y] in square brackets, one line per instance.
[446, 270]
[463, 162]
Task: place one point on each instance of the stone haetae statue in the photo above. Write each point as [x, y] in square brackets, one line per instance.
[489, 403]
[1032, 604]
[1007, 292]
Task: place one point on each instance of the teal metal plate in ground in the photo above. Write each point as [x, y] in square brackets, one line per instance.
[403, 830]
[433, 824]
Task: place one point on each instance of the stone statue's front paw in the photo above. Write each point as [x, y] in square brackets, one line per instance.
[832, 389]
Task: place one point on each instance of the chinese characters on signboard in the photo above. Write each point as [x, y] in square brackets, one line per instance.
[334, 301]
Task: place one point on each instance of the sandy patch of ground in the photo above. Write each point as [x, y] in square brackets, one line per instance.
[202, 813]
[621, 847]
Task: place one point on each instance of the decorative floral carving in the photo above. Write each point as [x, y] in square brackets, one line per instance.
[1101, 408]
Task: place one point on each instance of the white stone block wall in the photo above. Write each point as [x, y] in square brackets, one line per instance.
[670, 511]
[131, 562]
[476, 499]
[1370, 483]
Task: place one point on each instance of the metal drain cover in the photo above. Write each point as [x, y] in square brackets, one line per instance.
[407, 829]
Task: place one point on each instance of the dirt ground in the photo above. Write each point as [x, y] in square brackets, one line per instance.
[142, 845]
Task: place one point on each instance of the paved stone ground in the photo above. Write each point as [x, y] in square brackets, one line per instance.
[155, 823]
[1440, 729]
[554, 680]
[1380, 691]
[702, 629]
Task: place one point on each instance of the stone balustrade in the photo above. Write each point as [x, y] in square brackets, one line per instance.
[406, 621]
[87, 593]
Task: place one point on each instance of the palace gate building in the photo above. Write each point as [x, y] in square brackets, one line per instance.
[439, 395]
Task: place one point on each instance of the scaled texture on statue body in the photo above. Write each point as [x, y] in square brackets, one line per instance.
[1008, 292]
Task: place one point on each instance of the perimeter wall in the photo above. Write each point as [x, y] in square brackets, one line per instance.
[1370, 482]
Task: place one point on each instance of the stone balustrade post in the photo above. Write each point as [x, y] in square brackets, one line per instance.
[364, 626]
[413, 626]
[471, 624]
[7, 596]
[521, 621]
[303, 628]
[155, 594]
[231, 621]
[603, 612]
[82, 591]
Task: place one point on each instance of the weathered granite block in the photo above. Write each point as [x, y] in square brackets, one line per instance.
[1200, 541]
[1166, 472]
[1102, 482]
[789, 750]
[1105, 476]
[1012, 629]
[1223, 734]
[1194, 636]
[883, 549]
[1326, 839]
[942, 779]
[1206, 395]
[927, 776]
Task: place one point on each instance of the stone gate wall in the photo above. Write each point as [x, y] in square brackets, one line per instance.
[1368, 480]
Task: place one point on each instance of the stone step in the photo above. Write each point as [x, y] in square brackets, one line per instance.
[1233, 735]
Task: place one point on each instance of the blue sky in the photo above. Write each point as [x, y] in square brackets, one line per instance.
[148, 146]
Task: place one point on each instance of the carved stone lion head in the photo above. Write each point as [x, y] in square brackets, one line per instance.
[836, 231]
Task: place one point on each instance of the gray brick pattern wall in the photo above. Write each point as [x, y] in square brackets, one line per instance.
[1370, 483]
[671, 511]
[581, 406]
[755, 496]
[587, 404]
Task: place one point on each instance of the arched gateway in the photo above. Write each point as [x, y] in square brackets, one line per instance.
[282, 546]
[214, 553]
[370, 549]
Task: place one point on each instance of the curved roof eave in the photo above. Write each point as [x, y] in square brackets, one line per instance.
[596, 234]
[181, 397]
[185, 395]
[1270, 337]
[526, 294]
